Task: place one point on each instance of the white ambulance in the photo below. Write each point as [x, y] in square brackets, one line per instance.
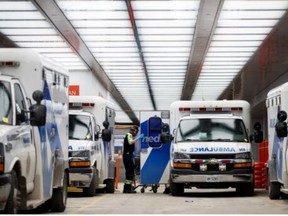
[277, 108]
[211, 146]
[33, 138]
[91, 149]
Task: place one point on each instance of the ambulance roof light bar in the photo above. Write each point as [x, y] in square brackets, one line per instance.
[9, 63]
[209, 109]
[81, 104]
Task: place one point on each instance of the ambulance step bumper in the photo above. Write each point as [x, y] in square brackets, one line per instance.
[236, 178]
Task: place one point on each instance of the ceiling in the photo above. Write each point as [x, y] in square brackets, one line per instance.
[146, 53]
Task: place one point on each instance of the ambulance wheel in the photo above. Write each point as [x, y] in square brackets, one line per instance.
[245, 189]
[142, 190]
[274, 190]
[12, 202]
[110, 186]
[284, 196]
[90, 191]
[59, 197]
[176, 189]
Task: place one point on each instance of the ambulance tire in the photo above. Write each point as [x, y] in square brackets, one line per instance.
[11, 204]
[274, 190]
[59, 197]
[176, 189]
[284, 196]
[90, 191]
[110, 186]
[245, 189]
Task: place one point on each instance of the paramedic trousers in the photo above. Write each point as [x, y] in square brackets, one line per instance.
[129, 167]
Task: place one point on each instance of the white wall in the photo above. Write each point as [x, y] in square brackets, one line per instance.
[88, 84]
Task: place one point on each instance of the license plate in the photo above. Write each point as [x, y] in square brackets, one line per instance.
[212, 178]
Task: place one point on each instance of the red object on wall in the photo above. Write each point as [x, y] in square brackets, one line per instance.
[74, 90]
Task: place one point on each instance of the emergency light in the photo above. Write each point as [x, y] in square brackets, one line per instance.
[2, 164]
[9, 63]
[209, 109]
[81, 104]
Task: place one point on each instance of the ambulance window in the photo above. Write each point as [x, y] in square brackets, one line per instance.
[80, 127]
[154, 131]
[20, 105]
[5, 103]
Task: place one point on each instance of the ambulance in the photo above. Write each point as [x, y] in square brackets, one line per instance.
[33, 138]
[211, 147]
[277, 108]
[91, 144]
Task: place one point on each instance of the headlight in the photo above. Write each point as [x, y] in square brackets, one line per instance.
[245, 155]
[85, 153]
[178, 155]
[79, 158]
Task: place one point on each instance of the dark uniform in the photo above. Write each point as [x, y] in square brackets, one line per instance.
[128, 160]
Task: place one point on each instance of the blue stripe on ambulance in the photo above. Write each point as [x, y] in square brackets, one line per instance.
[54, 142]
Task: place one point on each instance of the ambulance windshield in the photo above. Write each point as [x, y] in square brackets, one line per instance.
[206, 129]
[5, 103]
[80, 127]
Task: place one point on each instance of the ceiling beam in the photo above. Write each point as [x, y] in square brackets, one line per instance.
[208, 14]
[136, 36]
[6, 42]
[58, 20]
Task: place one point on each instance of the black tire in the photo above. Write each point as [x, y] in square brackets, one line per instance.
[110, 186]
[177, 189]
[245, 189]
[91, 190]
[274, 190]
[59, 197]
[12, 202]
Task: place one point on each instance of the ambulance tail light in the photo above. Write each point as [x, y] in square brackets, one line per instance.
[9, 63]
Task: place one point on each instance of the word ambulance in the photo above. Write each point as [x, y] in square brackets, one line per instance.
[277, 107]
[91, 157]
[211, 147]
[33, 138]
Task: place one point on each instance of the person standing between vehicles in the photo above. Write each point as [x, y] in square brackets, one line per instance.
[128, 150]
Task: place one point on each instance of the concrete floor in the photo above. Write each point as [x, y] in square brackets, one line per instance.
[194, 201]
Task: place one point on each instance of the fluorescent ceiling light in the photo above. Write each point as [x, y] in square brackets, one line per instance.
[166, 31]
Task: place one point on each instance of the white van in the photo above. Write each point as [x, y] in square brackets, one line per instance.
[33, 138]
[211, 147]
[91, 146]
[277, 108]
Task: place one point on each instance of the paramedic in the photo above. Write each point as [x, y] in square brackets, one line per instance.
[128, 149]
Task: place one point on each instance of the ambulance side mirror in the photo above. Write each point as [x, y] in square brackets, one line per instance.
[281, 125]
[165, 136]
[37, 111]
[106, 132]
[97, 132]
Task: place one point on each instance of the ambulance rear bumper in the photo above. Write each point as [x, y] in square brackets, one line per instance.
[188, 176]
[80, 177]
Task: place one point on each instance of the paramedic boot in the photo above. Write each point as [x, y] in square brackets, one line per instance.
[128, 189]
